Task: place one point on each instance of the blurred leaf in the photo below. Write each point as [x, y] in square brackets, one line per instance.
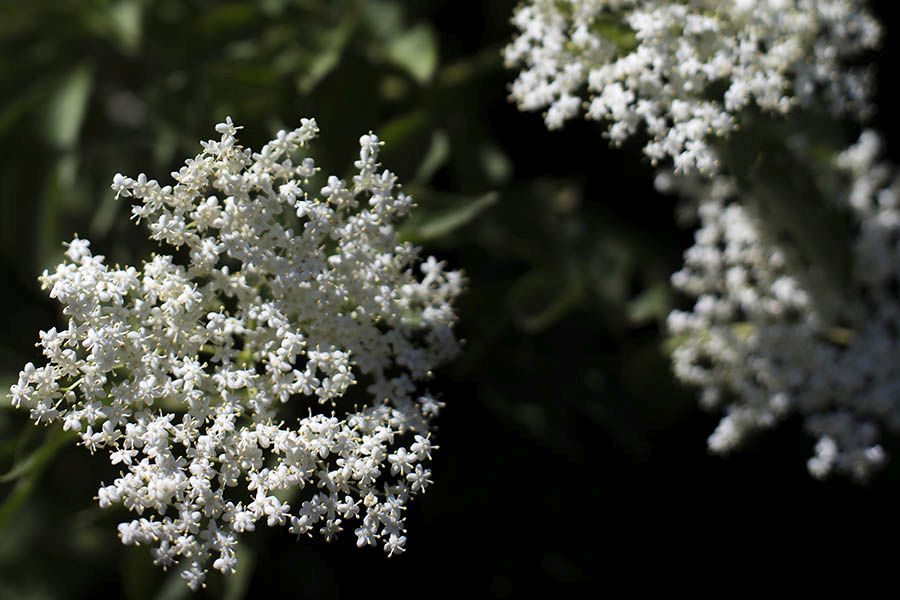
[612, 28]
[225, 17]
[166, 144]
[653, 304]
[55, 439]
[840, 336]
[126, 21]
[406, 139]
[415, 51]
[611, 266]
[16, 535]
[471, 68]
[6, 381]
[329, 49]
[495, 163]
[85, 531]
[543, 296]
[429, 222]
[68, 105]
[436, 157]
[383, 17]
[174, 586]
[140, 577]
[28, 473]
[17, 107]
[105, 215]
[393, 88]
[8, 448]
[404, 131]
[238, 583]
[57, 186]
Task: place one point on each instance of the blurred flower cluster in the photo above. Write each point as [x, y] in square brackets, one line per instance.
[792, 315]
[765, 340]
[683, 71]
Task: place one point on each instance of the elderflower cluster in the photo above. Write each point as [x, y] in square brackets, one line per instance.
[268, 370]
[762, 343]
[684, 70]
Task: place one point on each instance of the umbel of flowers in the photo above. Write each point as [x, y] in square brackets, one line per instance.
[216, 381]
[764, 340]
[682, 71]
[791, 315]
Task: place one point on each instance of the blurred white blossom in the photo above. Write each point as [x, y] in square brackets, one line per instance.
[762, 342]
[215, 376]
[682, 71]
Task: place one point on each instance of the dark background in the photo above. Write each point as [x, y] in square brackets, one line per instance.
[568, 454]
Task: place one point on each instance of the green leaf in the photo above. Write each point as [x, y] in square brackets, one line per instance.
[174, 587]
[18, 534]
[68, 106]
[330, 48]
[384, 18]
[56, 188]
[429, 222]
[405, 130]
[16, 108]
[653, 304]
[406, 140]
[225, 18]
[138, 574]
[6, 382]
[471, 68]
[27, 474]
[105, 215]
[543, 296]
[613, 28]
[8, 447]
[165, 146]
[436, 157]
[496, 165]
[126, 23]
[238, 583]
[56, 438]
[611, 267]
[415, 51]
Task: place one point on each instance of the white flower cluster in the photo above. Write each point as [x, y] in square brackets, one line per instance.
[684, 70]
[214, 384]
[763, 344]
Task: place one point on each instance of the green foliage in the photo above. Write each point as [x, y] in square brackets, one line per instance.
[26, 473]
[415, 51]
[439, 215]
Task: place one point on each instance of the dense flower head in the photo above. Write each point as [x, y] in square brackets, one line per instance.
[762, 341]
[683, 70]
[269, 369]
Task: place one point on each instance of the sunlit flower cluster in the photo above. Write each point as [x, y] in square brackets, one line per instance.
[268, 370]
[763, 341]
[682, 71]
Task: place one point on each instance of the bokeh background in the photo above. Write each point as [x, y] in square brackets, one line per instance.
[568, 454]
